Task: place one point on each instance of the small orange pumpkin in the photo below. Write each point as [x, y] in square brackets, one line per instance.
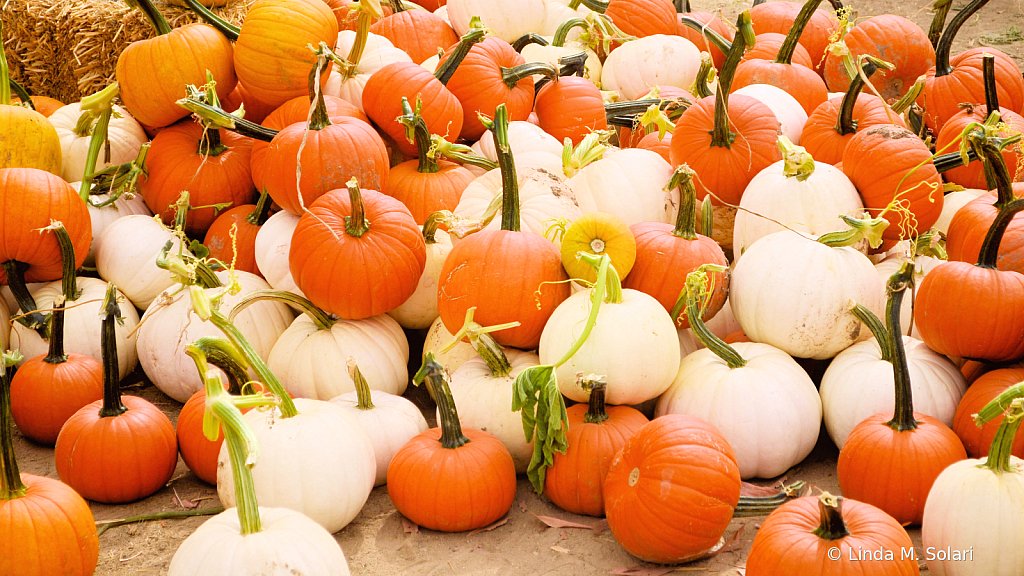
[978, 439]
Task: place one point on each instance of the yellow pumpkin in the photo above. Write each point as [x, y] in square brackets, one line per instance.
[598, 233]
[27, 139]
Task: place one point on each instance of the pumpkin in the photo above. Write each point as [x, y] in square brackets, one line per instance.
[508, 19]
[198, 452]
[42, 104]
[232, 236]
[559, 47]
[47, 527]
[531, 146]
[153, 73]
[951, 204]
[509, 262]
[969, 226]
[642, 18]
[602, 187]
[570, 107]
[123, 205]
[351, 228]
[703, 137]
[420, 310]
[598, 233]
[890, 460]
[273, 244]
[888, 37]
[666, 254]
[801, 82]
[388, 420]
[74, 128]
[969, 496]
[760, 399]
[348, 13]
[449, 478]
[630, 340]
[127, 255]
[366, 54]
[889, 163]
[710, 22]
[672, 489]
[957, 313]
[417, 32]
[36, 144]
[117, 449]
[978, 439]
[857, 384]
[830, 535]
[378, 344]
[437, 342]
[658, 60]
[787, 110]
[779, 17]
[767, 46]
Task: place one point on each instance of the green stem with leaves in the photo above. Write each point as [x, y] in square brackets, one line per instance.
[488, 349]
[101, 107]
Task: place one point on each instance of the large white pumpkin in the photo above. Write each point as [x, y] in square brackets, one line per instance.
[787, 109]
[168, 328]
[127, 256]
[420, 310]
[531, 147]
[125, 137]
[507, 19]
[793, 292]
[125, 205]
[629, 184]
[657, 60]
[273, 243]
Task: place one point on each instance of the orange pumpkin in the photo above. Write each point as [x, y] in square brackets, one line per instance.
[348, 17]
[978, 439]
[42, 104]
[246, 220]
[449, 478]
[778, 17]
[895, 40]
[767, 46]
[887, 162]
[199, 452]
[255, 111]
[575, 481]
[672, 489]
[45, 527]
[570, 107]
[630, 137]
[345, 230]
[118, 449]
[969, 228]
[418, 32]
[642, 17]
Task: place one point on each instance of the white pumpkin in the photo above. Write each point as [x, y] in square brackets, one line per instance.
[125, 137]
[320, 463]
[507, 19]
[310, 360]
[657, 60]
[531, 146]
[388, 420]
[724, 323]
[953, 202]
[273, 243]
[922, 266]
[129, 248]
[768, 410]
[688, 343]
[813, 205]
[438, 337]
[8, 297]
[555, 13]
[543, 199]
[420, 310]
[170, 325]
[378, 53]
[787, 109]
[125, 205]
[858, 384]
[82, 325]
[484, 402]
[629, 184]
[634, 344]
[793, 292]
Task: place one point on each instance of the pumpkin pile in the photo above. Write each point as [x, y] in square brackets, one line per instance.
[647, 254]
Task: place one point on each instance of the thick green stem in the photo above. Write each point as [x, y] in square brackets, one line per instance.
[416, 131]
[103, 101]
[722, 136]
[318, 316]
[55, 353]
[355, 54]
[437, 384]
[112, 405]
[243, 450]
[877, 329]
[222, 354]
[682, 6]
[696, 289]
[845, 123]
[988, 74]
[686, 218]
[789, 45]
[15, 271]
[865, 228]
[152, 14]
[903, 414]
[527, 39]
[430, 227]
[21, 93]
[832, 526]
[488, 349]
[562, 33]
[447, 68]
[942, 66]
[947, 162]
[612, 282]
[595, 5]
[460, 153]
[319, 119]
[512, 76]
[261, 213]
[941, 8]
[69, 284]
[707, 219]
[365, 399]
[509, 181]
[1002, 444]
[11, 486]
[5, 86]
[223, 26]
[356, 225]
[716, 39]
[216, 117]
[989, 150]
[705, 75]
[796, 162]
[906, 102]
[596, 412]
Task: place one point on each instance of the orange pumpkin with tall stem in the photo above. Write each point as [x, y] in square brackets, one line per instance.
[418, 32]
[778, 17]
[635, 17]
[118, 449]
[726, 139]
[888, 37]
[570, 107]
[767, 46]
[891, 460]
[523, 268]
[978, 439]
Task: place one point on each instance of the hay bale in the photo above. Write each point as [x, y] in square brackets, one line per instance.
[67, 49]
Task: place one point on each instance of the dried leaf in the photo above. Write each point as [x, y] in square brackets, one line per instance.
[497, 524]
[560, 549]
[410, 527]
[553, 522]
[184, 503]
[600, 526]
[753, 490]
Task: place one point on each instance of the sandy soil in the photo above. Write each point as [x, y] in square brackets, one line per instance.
[377, 542]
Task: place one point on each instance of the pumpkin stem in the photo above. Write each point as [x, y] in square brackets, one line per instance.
[845, 124]
[686, 218]
[512, 76]
[210, 144]
[571, 65]
[595, 5]
[590, 149]
[20, 92]
[120, 179]
[867, 227]
[562, 32]
[261, 212]
[722, 136]
[707, 219]
[362, 388]
[355, 54]
[219, 352]
[903, 104]
[793, 38]
[112, 405]
[11, 486]
[1002, 444]
[319, 119]
[488, 349]
[416, 131]
[597, 385]
[705, 76]
[942, 48]
[186, 270]
[218, 118]
[318, 316]
[509, 182]
[356, 225]
[832, 526]
[698, 289]
[5, 86]
[878, 329]
[447, 68]
[903, 415]
[15, 272]
[613, 284]
[682, 6]
[226, 28]
[55, 353]
[527, 39]
[458, 153]
[716, 39]
[152, 14]
[100, 104]
[988, 74]
[941, 8]
[797, 162]
[988, 149]
[69, 285]
[437, 384]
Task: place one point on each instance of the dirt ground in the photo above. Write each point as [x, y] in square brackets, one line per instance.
[377, 542]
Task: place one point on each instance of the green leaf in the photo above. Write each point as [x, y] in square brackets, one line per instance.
[536, 394]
